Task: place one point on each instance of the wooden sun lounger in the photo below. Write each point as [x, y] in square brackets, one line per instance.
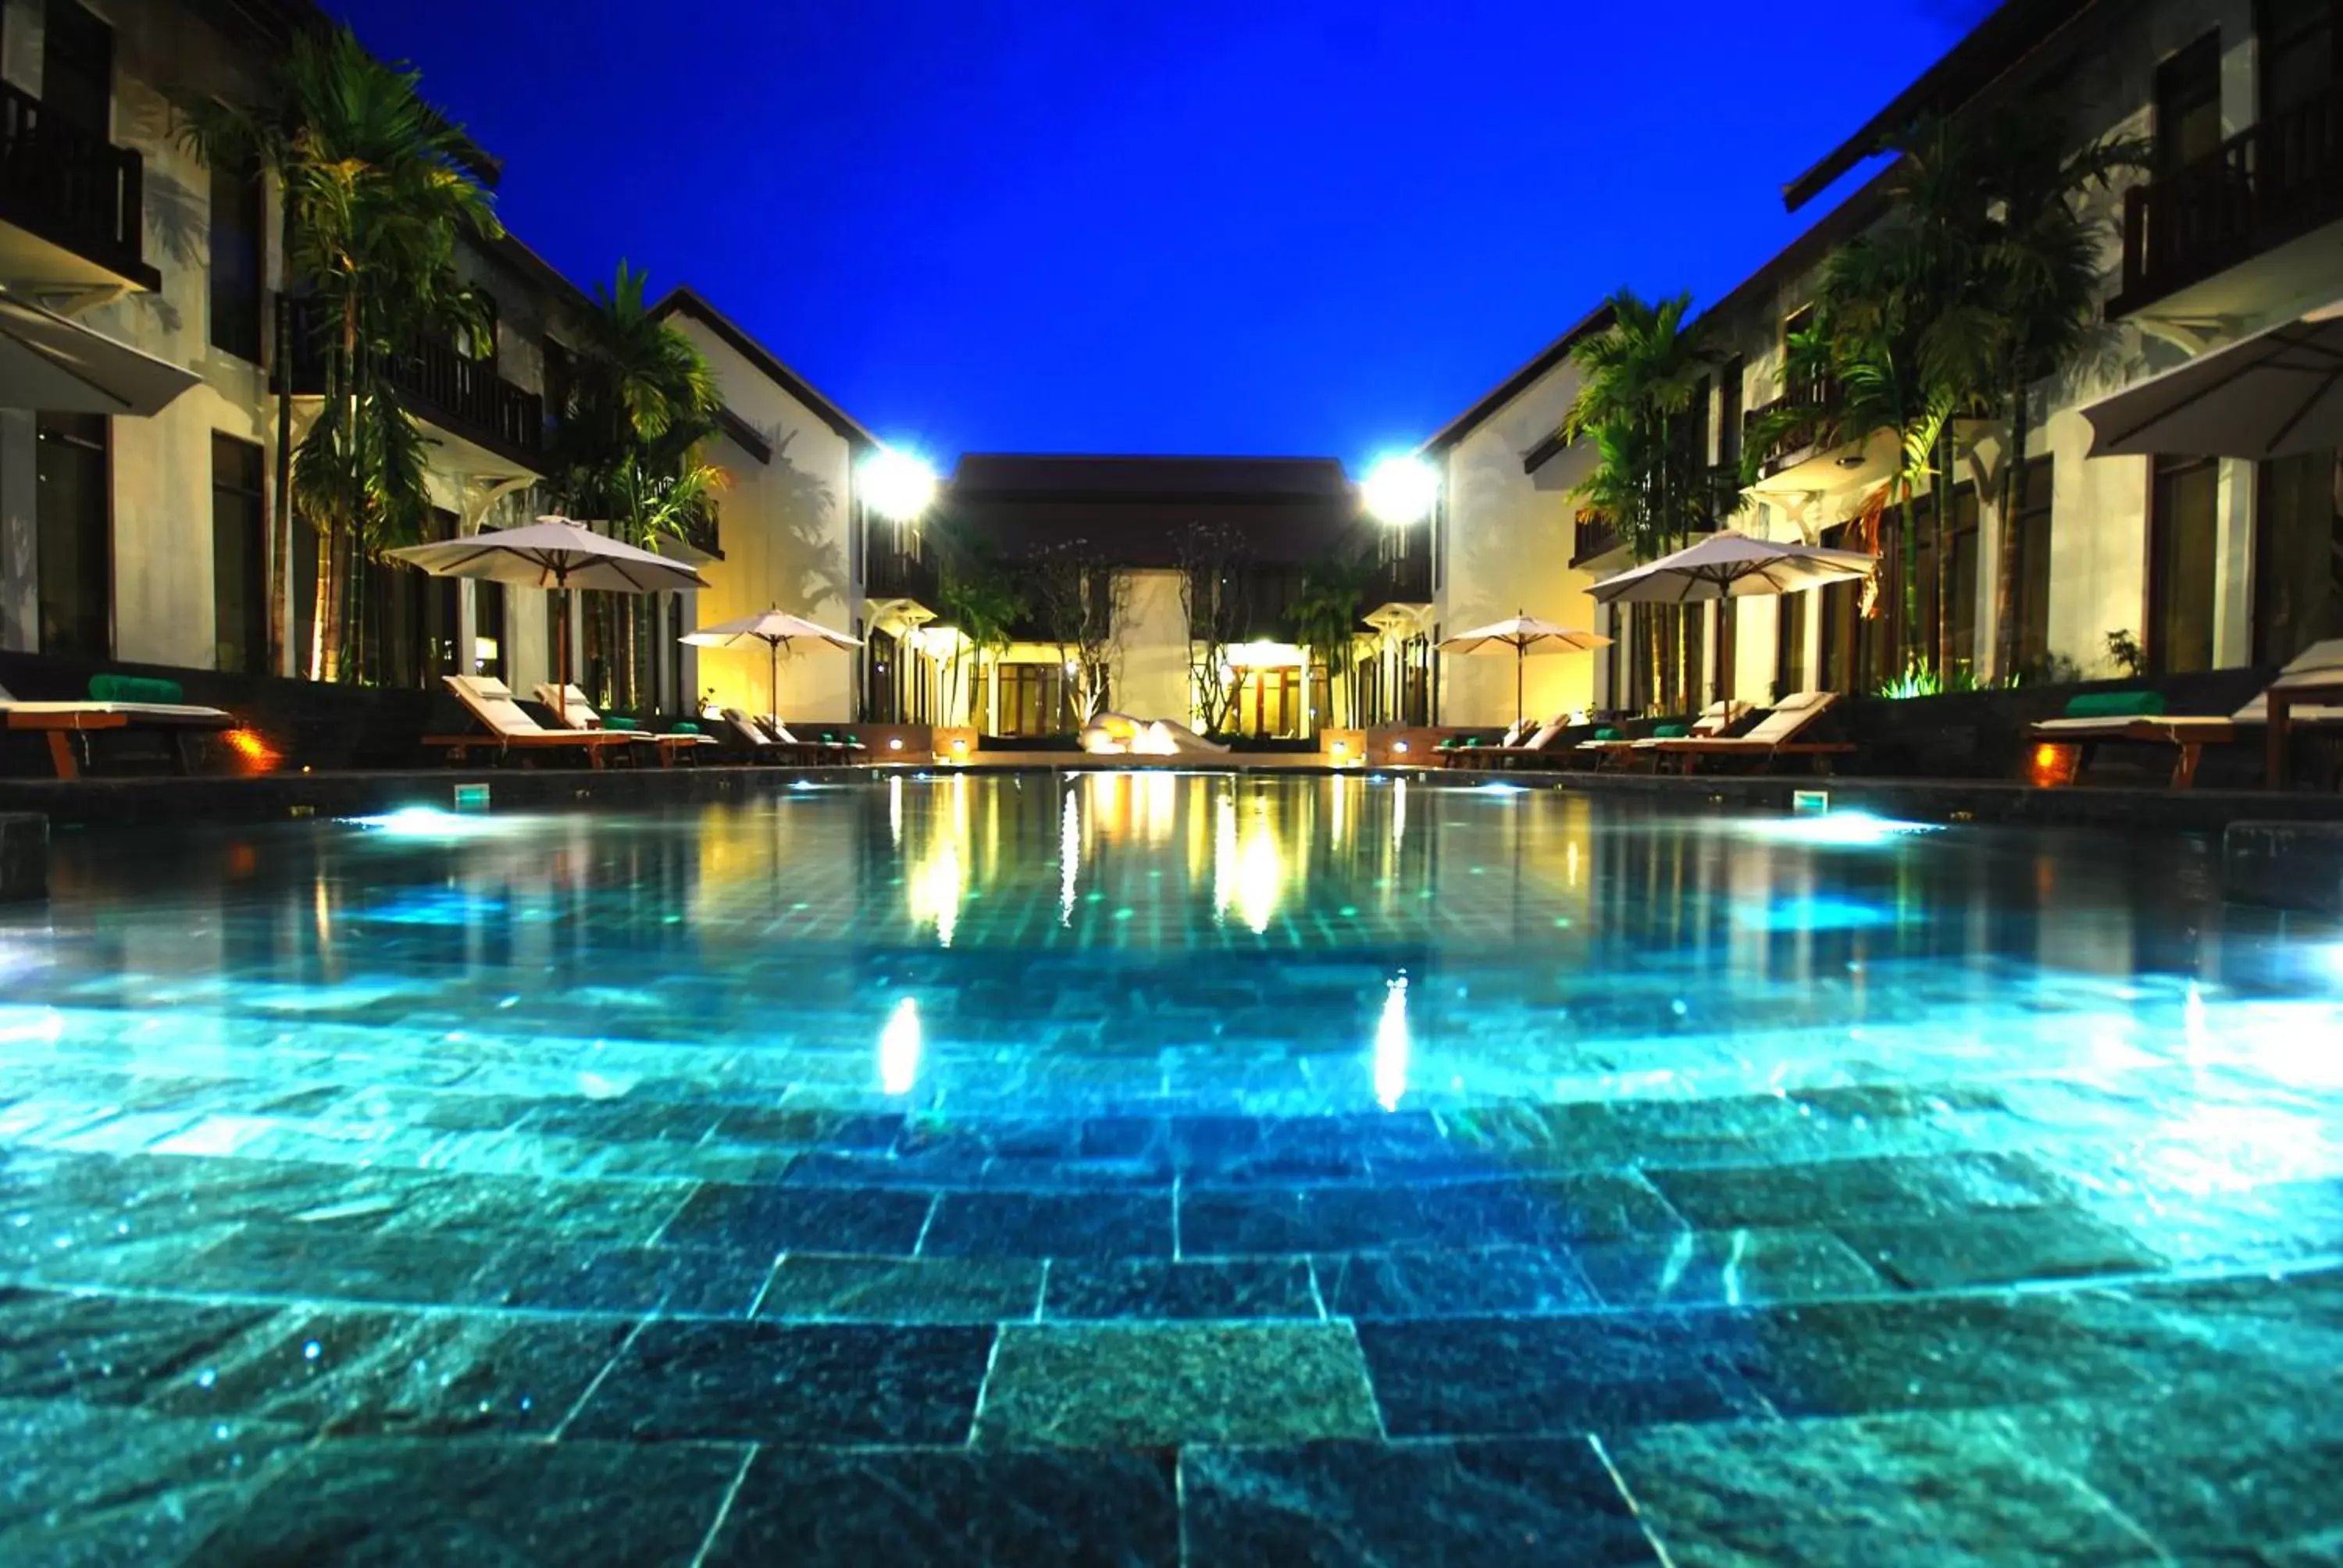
[572, 710]
[510, 728]
[61, 722]
[1775, 737]
[764, 748]
[2308, 691]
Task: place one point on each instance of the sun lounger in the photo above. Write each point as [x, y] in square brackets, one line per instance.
[116, 702]
[2096, 717]
[1775, 738]
[572, 711]
[764, 746]
[1615, 750]
[1532, 746]
[510, 728]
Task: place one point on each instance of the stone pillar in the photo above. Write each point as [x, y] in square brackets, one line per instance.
[2233, 565]
[20, 559]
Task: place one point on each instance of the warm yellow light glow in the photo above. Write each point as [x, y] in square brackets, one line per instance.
[1392, 1046]
[900, 1045]
[1248, 874]
[938, 880]
[1342, 748]
[960, 743]
[1401, 489]
[896, 485]
[1265, 655]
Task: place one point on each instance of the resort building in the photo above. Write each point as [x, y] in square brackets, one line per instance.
[141, 542]
[1160, 587]
[2234, 225]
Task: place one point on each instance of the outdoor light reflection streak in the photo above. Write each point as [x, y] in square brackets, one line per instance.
[1392, 1046]
[898, 1048]
[1069, 858]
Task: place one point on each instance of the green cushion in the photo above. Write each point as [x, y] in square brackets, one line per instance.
[2114, 704]
[685, 727]
[134, 689]
[1607, 733]
[1451, 744]
[1669, 731]
[1473, 740]
[614, 722]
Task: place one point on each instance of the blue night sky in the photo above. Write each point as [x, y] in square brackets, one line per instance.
[1289, 226]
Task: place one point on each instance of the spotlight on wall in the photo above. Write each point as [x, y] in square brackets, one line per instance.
[1400, 489]
[894, 743]
[1399, 747]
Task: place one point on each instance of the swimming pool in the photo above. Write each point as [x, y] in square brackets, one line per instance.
[1165, 1167]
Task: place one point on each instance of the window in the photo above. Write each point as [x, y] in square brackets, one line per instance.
[1961, 581]
[2183, 509]
[74, 510]
[238, 286]
[1032, 698]
[239, 557]
[77, 68]
[2032, 610]
[2297, 572]
[489, 629]
[1790, 647]
[2188, 104]
[2299, 39]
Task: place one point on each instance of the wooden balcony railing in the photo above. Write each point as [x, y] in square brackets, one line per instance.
[1806, 408]
[893, 573]
[464, 397]
[2271, 183]
[69, 186]
[1404, 578]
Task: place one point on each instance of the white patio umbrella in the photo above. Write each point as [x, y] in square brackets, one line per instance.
[775, 628]
[1525, 635]
[1733, 565]
[2274, 394]
[553, 553]
[49, 362]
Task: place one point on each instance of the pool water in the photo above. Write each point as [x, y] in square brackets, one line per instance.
[1166, 1168]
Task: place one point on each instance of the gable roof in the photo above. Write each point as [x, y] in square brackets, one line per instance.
[1519, 382]
[685, 300]
[1995, 47]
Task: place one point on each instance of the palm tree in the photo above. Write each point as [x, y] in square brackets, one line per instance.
[1324, 618]
[376, 185]
[628, 449]
[2040, 268]
[1638, 382]
[981, 599]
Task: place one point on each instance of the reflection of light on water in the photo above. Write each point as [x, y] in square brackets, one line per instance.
[1570, 863]
[1840, 827]
[1341, 816]
[22, 1026]
[1812, 914]
[1398, 813]
[1069, 857]
[430, 823]
[898, 1048]
[939, 879]
[1247, 871]
[1390, 1046]
[895, 809]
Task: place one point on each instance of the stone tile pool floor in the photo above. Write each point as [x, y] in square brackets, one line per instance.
[1681, 1246]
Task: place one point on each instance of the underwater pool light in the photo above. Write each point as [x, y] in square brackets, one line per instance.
[1848, 827]
[430, 823]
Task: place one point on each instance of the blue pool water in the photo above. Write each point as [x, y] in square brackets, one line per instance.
[1165, 1169]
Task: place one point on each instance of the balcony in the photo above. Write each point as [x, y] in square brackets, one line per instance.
[1592, 538]
[1404, 578]
[463, 398]
[2272, 183]
[77, 200]
[1799, 422]
[899, 572]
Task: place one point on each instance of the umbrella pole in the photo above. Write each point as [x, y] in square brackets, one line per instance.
[561, 661]
[1521, 656]
[773, 678]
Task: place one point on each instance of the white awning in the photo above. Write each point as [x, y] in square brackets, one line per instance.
[50, 363]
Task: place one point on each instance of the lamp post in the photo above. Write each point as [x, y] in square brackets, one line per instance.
[899, 486]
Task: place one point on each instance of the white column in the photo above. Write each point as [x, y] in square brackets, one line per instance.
[2233, 565]
[20, 574]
